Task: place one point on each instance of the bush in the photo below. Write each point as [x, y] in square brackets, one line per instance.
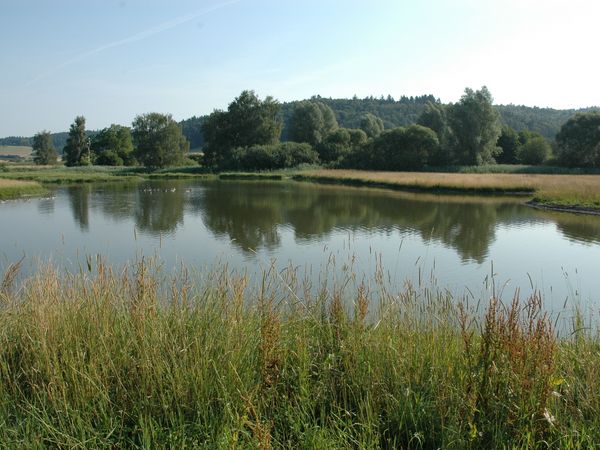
[535, 152]
[270, 157]
[399, 149]
[109, 158]
[579, 141]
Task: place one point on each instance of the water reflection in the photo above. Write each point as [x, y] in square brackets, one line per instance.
[250, 214]
[159, 207]
[79, 200]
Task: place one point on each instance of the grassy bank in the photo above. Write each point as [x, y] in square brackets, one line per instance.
[565, 190]
[64, 175]
[10, 189]
[131, 358]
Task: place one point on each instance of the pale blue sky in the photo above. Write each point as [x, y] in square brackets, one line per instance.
[113, 59]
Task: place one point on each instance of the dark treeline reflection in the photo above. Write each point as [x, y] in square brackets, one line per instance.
[250, 214]
[79, 200]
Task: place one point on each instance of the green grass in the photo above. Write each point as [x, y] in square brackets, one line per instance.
[62, 175]
[135, 359]
[11, 189]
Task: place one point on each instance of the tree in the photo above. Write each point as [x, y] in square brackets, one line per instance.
[248, 121]
[435, 117]
[371, 125]
[77, 150]
[340, 143]
[475, 123]
[510, 143]
[158, 140]
[535, 151]
[113, 146]
[579, 141]
[311, 122]
[43, 149]
[401, 148]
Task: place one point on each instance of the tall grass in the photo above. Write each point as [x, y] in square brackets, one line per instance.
[134, 358]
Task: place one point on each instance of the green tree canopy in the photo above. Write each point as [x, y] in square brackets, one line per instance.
[401, 148]
[475, 124]
[113, 146]
[534, 151]
[77, 150]
[340, 143]
[435, 117]
[371, 125]
[311, 122]
[509, 142]
[248, 121]
[158, 140]
[579, 141]
[43, 149]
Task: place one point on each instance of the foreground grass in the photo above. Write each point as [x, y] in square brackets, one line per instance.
[131, 358]
[10, 189]
[565, 190]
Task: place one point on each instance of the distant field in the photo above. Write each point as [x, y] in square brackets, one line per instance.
[20, 150]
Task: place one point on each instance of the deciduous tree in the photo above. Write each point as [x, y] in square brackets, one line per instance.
[77, 150]
[43, 149]
[579, 141]
[248, 121]
[158, 140]
[113, 146]
[475, 123]
[311, 122]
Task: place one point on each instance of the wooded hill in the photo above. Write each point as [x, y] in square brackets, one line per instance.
[401, 112]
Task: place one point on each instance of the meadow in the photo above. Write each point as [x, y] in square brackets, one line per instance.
[131, 357]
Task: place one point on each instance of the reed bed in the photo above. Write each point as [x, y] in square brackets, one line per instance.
[134, 358]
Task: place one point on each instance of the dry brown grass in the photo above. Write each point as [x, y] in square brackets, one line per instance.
[16, 183]
[560, 189]
[20, 150]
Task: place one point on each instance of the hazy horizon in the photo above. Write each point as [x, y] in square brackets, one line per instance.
[111, 60]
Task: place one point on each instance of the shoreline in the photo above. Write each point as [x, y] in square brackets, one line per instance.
[558, 189]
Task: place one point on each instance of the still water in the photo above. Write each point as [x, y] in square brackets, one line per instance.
[457, 240]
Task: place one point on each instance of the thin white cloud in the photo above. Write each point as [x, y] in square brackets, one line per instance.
[165, 26]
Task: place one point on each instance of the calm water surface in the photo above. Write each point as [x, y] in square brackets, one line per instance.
[458, 240]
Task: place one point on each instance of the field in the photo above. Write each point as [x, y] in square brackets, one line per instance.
[133, 358]
[19, 150]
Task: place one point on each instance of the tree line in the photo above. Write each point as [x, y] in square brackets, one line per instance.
[248, 136]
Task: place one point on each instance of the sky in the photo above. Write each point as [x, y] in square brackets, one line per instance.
[110, 60]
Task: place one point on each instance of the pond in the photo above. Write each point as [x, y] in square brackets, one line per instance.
[454, 241]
